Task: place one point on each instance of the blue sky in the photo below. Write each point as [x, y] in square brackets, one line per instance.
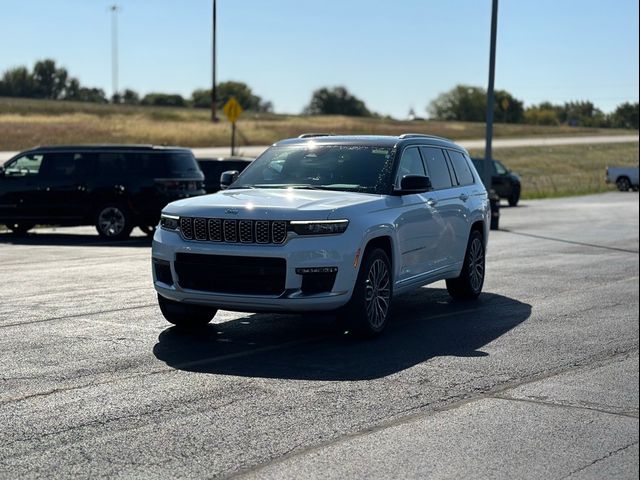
[393, 55]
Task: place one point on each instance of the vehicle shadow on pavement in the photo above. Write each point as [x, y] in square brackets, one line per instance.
[425, 324]
[70, 240]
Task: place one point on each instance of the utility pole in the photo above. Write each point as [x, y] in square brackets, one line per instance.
[114, 50]
[486, 168]
[214, 117]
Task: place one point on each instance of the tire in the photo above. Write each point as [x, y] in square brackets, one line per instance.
[623, 184]
[185, 316]
[367, 313]
[20, 228]
[114, 221]
[469, 284]
[514, 198]
[148, 230]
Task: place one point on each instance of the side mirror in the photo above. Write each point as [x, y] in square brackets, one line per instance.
[1, 171]
[227, 178]
[414, 184]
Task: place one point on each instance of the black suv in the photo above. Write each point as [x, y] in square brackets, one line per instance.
[214, 167]
[112, 187]
[504, 182]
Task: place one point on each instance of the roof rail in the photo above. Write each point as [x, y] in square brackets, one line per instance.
[310, 135]
[420, 135]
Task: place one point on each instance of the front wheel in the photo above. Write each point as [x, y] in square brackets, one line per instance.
[20, 228]
[184, 315]
[367, 312]
[469, 284]
[623, 184]
[114, 222]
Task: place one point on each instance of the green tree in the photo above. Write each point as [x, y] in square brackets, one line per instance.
[336, 101]
[201, 98]
[17, 82]
[507, 108]
[462, 103]
[625, 116]
[130, 97]
[49, 81]
[163, 100]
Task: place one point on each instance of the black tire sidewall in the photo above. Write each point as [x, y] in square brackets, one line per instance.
[355, 313]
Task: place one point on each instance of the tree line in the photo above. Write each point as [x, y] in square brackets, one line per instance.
[461, 103]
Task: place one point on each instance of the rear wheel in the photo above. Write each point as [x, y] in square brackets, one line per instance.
[113, 221]
[20, 228]
[184, 315]
[469, 284]
[514, 198]
[623, 184]
[367, 312]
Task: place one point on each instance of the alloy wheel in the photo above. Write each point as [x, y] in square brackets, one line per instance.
[476, 264]
[112, 221]
[377, 293]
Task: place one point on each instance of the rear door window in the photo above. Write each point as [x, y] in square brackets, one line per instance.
[461, 167]
[58, 166]
[111, 164]
[437, 169]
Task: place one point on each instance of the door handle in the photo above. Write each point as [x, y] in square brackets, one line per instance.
[464, 197]
[432, 202]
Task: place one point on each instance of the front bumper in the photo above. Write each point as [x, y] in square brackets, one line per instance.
[298, 252]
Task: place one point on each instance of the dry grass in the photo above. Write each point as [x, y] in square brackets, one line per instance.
[562, 171]
[25, 123]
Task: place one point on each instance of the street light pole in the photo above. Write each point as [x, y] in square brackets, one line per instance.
[486, 170]
[114, 50]
[214, 117]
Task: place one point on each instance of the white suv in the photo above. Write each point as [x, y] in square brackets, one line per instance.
[326, 223]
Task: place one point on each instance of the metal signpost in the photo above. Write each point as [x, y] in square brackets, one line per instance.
[232, 110]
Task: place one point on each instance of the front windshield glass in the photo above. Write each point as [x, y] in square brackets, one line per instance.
[352, 168]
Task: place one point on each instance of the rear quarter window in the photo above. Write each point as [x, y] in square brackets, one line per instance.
[461, 168]
[175, 165]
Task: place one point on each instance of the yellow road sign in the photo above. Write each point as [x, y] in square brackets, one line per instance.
[232, 109]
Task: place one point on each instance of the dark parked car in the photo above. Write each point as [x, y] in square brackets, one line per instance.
[504, 182]
[214, 167]
[114, 188]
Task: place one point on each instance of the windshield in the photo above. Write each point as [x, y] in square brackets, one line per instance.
[352, 168]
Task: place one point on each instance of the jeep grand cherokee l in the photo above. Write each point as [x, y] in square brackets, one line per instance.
[327, 223]
[114, 187]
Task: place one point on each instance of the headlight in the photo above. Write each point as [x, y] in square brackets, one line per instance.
[169, 222]
[319, 227]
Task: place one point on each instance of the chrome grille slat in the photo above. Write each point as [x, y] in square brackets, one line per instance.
[245, 231]
[215, 230]
[200, 228]
[279, 231]
[230, 232]
[186, 227]
[263, 232]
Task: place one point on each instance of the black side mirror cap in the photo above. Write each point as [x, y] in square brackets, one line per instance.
[227, 178]
[414, 184]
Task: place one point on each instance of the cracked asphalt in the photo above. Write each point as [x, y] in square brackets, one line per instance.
[538, 379]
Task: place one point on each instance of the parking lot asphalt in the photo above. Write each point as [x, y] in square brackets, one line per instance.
[538, 379]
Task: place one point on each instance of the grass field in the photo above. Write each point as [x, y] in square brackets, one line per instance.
[562, 171]
[25, 123]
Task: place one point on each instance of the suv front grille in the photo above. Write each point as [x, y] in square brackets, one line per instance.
[234, 231]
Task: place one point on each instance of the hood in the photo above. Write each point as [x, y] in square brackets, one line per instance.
[273, 204]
